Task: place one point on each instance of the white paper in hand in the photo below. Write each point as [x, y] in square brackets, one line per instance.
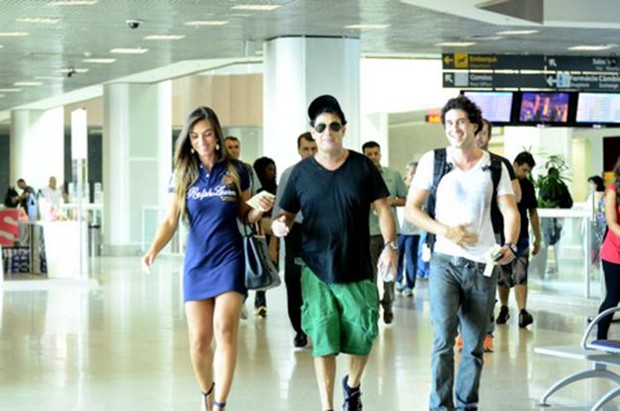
[146, 269]
[386, 273]
[254, 201]
[492, 256]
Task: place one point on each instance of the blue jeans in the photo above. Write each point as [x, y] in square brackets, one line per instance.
[407, 259]
[459, 294]
[423, 266]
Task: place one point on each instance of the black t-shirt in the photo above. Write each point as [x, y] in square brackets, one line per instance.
[335, 205]
[496, 216]
[28, 191]
[528, 202]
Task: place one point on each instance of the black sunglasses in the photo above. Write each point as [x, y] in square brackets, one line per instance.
[334, 126]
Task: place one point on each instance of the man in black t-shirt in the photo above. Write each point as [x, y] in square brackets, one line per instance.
[515, 273]
[334, 189]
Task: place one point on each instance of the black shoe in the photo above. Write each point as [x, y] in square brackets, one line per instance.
[525, 319]
[503, 316]
[352, 396]
[261, 311]
[300, 340]
[388, 317]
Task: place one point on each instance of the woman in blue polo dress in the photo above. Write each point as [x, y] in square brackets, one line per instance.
[209, 191]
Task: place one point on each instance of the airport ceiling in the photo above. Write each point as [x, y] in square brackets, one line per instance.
[47, 47]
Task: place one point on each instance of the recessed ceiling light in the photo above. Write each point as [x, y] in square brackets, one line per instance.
[206, 23]
[72, 3]
[13, 33]
[164, 37]
[485, 38]
[27, 83]
[49, 78]
[516, 32]
[456, 44]
[10, 90]
[99, 60]
[37, 20]
[256, 7]
[121, 50]
[367, 26]
[593, 48]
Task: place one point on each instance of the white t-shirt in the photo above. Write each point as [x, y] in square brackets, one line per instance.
[53, 197]
[463, 197]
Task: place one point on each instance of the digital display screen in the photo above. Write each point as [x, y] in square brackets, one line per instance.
[598, 108]
[496, 106]
[544, 108]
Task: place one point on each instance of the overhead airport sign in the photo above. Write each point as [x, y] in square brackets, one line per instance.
[465, 79]
[583, 63]
[584, 82]
[466, 61]
[586, 73]
[461, 79]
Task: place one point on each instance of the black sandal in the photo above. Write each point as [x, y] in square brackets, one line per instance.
[205, 396]
[220, 405]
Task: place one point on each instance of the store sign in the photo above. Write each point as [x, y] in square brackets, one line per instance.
[9, 230]
[433, 118]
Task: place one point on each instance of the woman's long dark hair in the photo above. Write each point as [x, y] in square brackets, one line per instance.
[617, 180]
[187, 164]
[600, 184]
[260, 166]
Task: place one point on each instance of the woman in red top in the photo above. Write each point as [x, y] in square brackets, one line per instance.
[610, 253]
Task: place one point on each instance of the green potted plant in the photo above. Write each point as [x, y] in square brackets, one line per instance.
[551, 186]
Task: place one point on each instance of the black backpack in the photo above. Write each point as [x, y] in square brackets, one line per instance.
[440, 168]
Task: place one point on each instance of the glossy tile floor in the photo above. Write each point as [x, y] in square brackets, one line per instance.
[122, 346]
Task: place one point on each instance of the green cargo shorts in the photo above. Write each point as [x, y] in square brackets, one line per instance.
[339, 318]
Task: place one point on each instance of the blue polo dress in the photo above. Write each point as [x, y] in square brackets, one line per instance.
[214, 262]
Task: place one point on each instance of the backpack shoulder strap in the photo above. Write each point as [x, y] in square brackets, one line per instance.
[439, 166]
[440, 169]
[496, 171]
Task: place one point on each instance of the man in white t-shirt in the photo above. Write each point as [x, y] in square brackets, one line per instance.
[461, 291]
[52, 194]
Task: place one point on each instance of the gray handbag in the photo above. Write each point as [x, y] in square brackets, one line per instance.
[260, 271]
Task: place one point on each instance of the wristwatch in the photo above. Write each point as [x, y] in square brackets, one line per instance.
[392, 244]
[512, 248]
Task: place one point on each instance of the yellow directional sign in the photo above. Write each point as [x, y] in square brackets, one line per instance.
[467, 61]
[448, 59]
[461, 60]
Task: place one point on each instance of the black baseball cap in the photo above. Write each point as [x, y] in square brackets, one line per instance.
[325, 104]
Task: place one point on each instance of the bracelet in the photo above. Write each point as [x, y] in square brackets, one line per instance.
[392, 244]
[512, 248]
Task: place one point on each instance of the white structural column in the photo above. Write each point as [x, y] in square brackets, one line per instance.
[297, 70]
[37, 146]
[137, 159]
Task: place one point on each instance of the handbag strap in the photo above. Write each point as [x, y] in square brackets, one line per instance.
[252, 229]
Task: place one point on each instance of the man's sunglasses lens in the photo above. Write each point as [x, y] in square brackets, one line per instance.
[335, 126]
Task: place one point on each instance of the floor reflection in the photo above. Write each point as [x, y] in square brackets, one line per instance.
[123, 346]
